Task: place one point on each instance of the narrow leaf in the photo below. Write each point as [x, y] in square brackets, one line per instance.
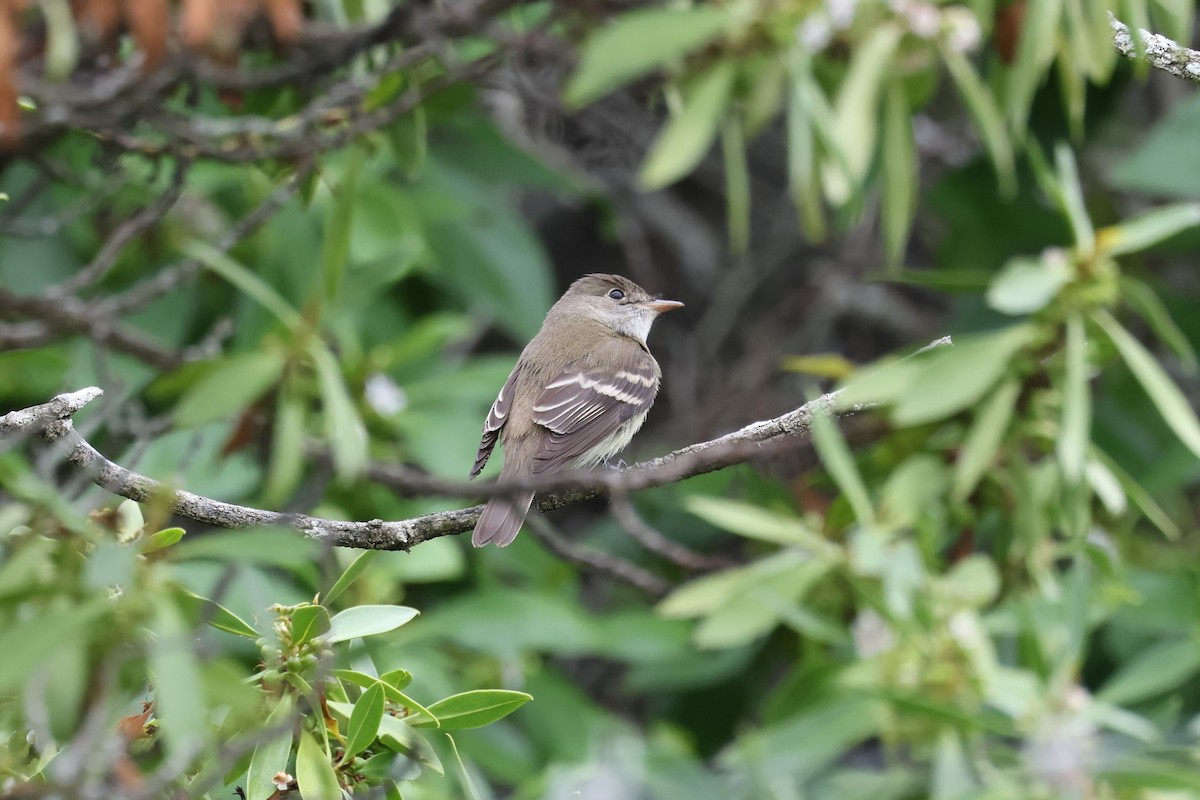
[364, 722]
[176, 670]
[1072, 198]
[1076, 424]
[638, 42]
[250, 284]
[314, 771]
[1167, 397]
[344, 427]
[1149, 228]
[271, 754]
[983, 439]
[980, 103]
[737, 185]
[218, 616]
[689, 135]
[899, 172]
[362, 621]
[339, 222]
[840, 462]
[857, 110]
[475, 709]
[1146, 303]
[349, 575]
[1152, 672]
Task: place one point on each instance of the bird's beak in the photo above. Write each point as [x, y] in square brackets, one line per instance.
[660, 306]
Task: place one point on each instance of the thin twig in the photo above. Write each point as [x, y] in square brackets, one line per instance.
[124, 233]
[604, 563]
[651, 539]
[151, 289]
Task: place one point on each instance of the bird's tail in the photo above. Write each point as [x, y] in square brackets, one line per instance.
[501, 520]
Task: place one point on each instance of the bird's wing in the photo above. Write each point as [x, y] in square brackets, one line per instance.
[496, 418]
[583, 406]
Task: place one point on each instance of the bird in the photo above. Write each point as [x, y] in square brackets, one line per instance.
[579, 392]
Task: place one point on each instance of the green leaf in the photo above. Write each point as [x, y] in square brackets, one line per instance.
[396, 678]
[309, 622]
[339, 222]
[856, 120]
[1148, 228]
[638, 42]
[1039, 31]
[180, 707]
[949, 379]
[1143, 300]
[314, 771]
[837, 458]
[161, 540]
[218, 616]
[229, 387]
[1140, 497]
[287, 446]
[899, 172]
[751, 521]
[1025, 285]
[362, 621]
[982, 107]
[400, 737]
[711, 592]
[351, 572]
[1166, 396]
[1072, 200]
[250, 284]
[803, 176]
[343, 426]
[1153, 671]
[409, 141]
[983, 439]
[475, 709]
[364, 722]
[270, 755]
[689, 135]
[1075, 431]
[737, 184]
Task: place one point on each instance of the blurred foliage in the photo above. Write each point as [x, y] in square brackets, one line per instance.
[996, 597]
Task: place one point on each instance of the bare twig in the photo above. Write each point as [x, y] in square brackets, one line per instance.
[604, 563]
[151, 289]
[1159, 51]
[650, 538]
[126, 232]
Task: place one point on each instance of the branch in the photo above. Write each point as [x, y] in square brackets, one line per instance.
[52, 422]
[1159, 51]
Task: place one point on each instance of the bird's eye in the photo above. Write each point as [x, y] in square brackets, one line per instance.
[616, 294]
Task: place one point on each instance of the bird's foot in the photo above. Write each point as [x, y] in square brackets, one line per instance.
[617, 467]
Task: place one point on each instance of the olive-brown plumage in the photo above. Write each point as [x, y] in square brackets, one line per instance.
[578, 394]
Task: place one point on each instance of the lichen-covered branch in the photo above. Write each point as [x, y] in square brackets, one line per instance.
[52, 422]
[1159, 51]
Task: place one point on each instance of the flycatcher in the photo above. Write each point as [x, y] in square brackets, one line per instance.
[578, 394]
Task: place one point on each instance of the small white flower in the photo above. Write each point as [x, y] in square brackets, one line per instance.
[814, 33]
[841, 12]
[962, 29]
[871, 633]
[924, 20]
[384, 395]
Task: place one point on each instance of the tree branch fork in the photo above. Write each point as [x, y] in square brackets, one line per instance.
[52, 422]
